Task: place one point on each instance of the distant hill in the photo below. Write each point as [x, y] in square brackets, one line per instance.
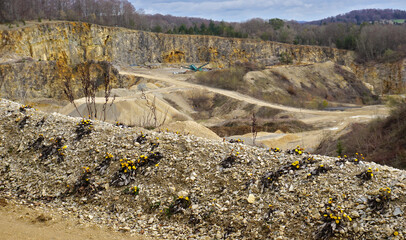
[364, 15]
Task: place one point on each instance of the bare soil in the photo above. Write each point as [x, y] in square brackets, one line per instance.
[329, 122]
[38, 223]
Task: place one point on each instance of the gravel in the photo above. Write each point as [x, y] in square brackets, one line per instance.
[188, 194]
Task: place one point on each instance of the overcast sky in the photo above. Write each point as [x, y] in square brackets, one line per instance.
[242, 10]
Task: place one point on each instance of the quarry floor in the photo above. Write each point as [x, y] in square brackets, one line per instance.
[328, 122]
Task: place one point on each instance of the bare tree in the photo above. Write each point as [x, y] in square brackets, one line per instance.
[254, 128]
[152, 115]
[108, 75]
[89, 87]
[65, 73]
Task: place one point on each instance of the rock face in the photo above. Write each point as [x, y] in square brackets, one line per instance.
[385, 77]
[29, 79]
[78, 42]
[189, 187]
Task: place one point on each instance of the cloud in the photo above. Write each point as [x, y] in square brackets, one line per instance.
[241, 10]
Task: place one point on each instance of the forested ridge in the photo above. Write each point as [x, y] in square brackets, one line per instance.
[361, 30]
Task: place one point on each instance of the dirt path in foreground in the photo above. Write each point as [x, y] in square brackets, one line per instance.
[35, 223]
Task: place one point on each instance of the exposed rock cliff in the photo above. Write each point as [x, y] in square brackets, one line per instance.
[79, 42]
[75, 42]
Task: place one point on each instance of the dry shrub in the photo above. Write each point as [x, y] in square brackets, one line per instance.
[382, 140]
[241, 127]
[230, 79]
[201, 100]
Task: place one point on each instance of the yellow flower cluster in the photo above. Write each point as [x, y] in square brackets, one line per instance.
[186, 198]
[296, 164]
[86, 122]
[275, 149]
[369, 171]
[128, 165]
[86, 169]
[142, 159]
[108, 155]
[134, 190]
[61, 150]
[299, 150]
[337, 215]
[23, 107]
[385, 191]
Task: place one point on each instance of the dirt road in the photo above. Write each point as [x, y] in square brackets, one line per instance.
[329, 122]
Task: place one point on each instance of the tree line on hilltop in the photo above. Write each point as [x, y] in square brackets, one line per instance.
[352, 31]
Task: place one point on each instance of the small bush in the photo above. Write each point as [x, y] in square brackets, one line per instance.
[380, 201]
[230, 79]
[285, 58]
[178, 206]
[83, 128]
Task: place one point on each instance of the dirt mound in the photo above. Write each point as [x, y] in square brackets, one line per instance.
[132, 111]
[191, 127]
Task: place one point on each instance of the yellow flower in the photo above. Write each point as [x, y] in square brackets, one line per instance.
[180, 197]
[349, 218]
[337, 221]
[396, 233]
[65, 147]
[187, 199]
[156, 165]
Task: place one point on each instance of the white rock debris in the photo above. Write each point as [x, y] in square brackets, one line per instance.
[199, 189]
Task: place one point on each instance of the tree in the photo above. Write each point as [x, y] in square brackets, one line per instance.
[276, 23]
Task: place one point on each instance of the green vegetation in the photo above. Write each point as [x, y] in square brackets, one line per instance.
[221, 29]
[399, 21]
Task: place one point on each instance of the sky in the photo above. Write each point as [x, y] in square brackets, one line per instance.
[242, 10]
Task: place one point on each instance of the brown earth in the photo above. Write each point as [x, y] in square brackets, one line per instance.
[37, 222]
